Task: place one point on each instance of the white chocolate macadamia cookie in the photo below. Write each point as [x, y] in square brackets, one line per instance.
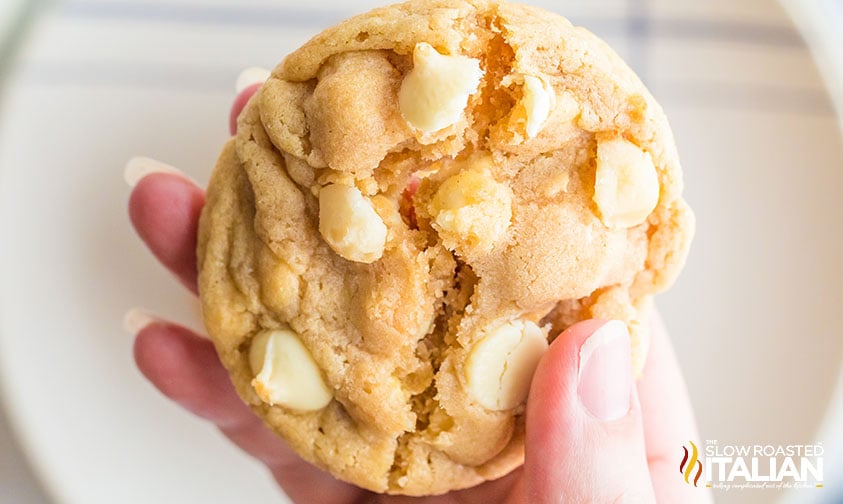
[416, 202]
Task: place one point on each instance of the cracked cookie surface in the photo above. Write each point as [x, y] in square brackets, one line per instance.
[415, 203]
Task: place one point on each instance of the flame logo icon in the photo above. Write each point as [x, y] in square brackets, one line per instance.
[686, 467]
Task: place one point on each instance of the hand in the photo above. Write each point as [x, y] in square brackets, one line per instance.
[593, 434]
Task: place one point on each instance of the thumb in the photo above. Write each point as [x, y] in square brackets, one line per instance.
[585, 440]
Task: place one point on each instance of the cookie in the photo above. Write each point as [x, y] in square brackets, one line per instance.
[416, 202]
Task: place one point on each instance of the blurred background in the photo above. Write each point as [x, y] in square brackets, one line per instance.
[750, 87]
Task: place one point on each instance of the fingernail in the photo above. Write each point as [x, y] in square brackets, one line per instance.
[250, 76]
[136, 319]
[605, 372]
[139, 167]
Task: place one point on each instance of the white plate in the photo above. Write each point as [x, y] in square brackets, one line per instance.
[755, 316]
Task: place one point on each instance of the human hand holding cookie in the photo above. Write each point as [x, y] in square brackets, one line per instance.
[408, 256]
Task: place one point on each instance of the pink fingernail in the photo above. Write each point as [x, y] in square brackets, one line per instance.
[249, 77]
[139, 167]
[136, 319]
[605, 372]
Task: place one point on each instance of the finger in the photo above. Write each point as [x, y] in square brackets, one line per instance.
[668, 420]
[585, 440]
[185, 368]
[164, 209]
[239, 104]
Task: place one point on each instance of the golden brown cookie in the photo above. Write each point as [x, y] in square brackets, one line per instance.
[415, 203]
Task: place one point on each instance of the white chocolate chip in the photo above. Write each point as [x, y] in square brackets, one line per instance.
[471, 210]
[567, 107]
[500, 366]
[436, 91]
[539, 106]
[538, 101]
[349, 224]
[279, 286]
[626, 187]
[286, 373]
